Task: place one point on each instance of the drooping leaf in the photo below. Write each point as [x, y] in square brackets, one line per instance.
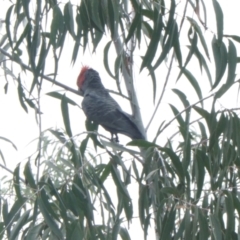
[68, 18]
[23, 220]
[182, 97]
[194, 83]
[21, 95]
[9, 141]
[193, 40]
[176, 162]
[200, 34]
[8, 24]
[57, 27]
[58, 95]
[232, 63]
[219, 19]
[173, 34]
[65, 115]
[106, 58]
[154, 42]
[29, 176]
[134, 25]
[49, 219]
[230, 214]
[169, 225]
[202, 62]
[216, 227]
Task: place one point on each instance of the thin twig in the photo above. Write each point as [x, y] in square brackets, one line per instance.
[162, 93]
[128, 79]
[184, 110]
[10, 171]
[23, 65]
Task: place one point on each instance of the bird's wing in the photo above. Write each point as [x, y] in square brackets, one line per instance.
[105, 111]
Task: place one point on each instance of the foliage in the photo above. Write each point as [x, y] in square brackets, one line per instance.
[188, 189]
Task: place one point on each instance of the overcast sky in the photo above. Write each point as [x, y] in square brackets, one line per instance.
[22, 128]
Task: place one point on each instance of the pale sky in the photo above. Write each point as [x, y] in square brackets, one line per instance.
[21, 128]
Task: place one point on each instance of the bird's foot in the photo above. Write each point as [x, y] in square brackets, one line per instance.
[115, 139]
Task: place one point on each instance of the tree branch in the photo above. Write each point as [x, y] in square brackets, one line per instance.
[23, 65]
[129, 84]
[161, 96]
[184, 110]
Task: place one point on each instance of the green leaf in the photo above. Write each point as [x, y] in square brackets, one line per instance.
[216, 227]
[65, 115]
[143, 202]
[75, 231]
[75, 52]
[142, 143]
[234, 37]
[217, 130]
[230, 214]
[176, 162]
[117, 180]
[106, 172]
[60, 96]
[153, 77]
[123, 232]
[203, 63]
[111, 15]
[93, 127]
[177, 48]
[23, 220]
[8, 24]
[95, 8]
[135, 169]
[9, 141]
[21, 95]
[154, 42]
[220, 59]
[178, 116]
[2, 41]
[42, 56]
[17, 186]
[47, 204]
[147, 29]
[182, 97]
[2, 230]
[169, 224]
[173, 34]
[57, 27]
[69, 19]
[192, 49]
[29, 176]
[200, 174]
[83, 146]
[232, 63]
[34, 232]
[23, 35]
[49, 219]
[193, 82]
[105, 59]
[205, 114]
[59, 135]
[134, 25]
[200, 34]
[219, 20]
[203, 224]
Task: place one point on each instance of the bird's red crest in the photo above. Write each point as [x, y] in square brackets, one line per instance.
[80, 79]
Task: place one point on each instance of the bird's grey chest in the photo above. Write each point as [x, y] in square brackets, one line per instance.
[90, 105]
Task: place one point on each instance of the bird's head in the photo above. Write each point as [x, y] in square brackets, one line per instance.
[88, 78]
